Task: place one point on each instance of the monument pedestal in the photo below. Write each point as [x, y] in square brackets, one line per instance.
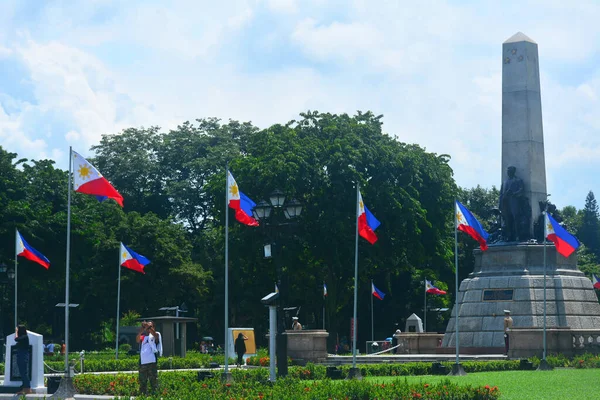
[512, 277]
[12, 378]
[307, 345]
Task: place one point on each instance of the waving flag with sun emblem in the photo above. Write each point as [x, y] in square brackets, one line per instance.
[367, 223]
[132, 260]
[466, 222]
[240, 202]
[87, 179]
[564, 242]
[25, 250]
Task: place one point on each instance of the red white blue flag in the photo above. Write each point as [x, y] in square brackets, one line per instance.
[367, 223]
[466, 222]
[324, 290]
[241, 203]
[564, 242]
[376, 292]
[595, 281]
[132, 260]
[87, 179]
[23, 249]
[429, 288]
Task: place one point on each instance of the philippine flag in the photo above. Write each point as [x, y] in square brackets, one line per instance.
[595, 281]
[23, 249]
[87, 179]
[466, 222]
[324, 290]
[564, 242]
[367, 223]
[376, 292]
[240, 202]
[132, 260]
[429, 288]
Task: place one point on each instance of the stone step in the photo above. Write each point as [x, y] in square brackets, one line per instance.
[334, 360]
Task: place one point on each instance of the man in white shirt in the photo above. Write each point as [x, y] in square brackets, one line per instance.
[148, 358]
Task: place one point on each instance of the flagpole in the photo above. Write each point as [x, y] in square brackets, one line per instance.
[68, 260]
[16, 264]
[118, 307]
[425, 306]
[544, 356]
[456, 282]
[226, 370]
[324, 298]
[355, 280]
[372, 329]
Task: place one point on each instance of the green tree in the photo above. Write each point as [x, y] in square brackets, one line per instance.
[589, 232]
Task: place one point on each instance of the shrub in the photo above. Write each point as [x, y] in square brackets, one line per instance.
[253, 384]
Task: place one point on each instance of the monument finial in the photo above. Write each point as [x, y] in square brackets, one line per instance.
[519, 37]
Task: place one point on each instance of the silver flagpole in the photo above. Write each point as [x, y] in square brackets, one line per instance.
[16, 263]
[545, 235]
[425, 307]
[226, 371]
[355, 280]
[456, 281]
[68, 260]
[324, 298]
[372, 329]
[118, 307]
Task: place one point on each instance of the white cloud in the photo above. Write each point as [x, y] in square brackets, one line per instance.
[432, 68]
[283, 6]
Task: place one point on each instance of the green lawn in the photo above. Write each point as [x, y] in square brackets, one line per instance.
[559, 384]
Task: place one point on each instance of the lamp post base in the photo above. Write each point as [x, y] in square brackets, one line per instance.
[354, 373]
[65, 390]
[226, 377]
[457, 370]
[544, 366]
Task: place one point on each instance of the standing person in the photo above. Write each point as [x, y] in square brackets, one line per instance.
[240, 348]
[63, 348]
[297, 326]
[22, 346]
[508, 323]
[148, 358]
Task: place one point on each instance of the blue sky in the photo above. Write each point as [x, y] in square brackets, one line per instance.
[74, 70]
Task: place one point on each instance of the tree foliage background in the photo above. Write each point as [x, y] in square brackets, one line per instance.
[174, 188]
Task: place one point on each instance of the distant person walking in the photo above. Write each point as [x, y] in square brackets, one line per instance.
[22, 347]
[148, 357]
[240, 348]
[508, 323]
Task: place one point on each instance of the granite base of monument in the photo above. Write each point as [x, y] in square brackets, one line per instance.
[307, 345]
[511, 277]
[35, 365]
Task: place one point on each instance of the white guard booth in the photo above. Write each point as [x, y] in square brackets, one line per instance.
[36, 364]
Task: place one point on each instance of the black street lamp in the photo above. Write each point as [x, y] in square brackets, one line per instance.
[275, 215]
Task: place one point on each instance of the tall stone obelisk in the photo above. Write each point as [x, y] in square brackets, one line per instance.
[522, 132]
[512, 274]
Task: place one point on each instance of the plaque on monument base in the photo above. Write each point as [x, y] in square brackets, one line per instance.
[12, 378]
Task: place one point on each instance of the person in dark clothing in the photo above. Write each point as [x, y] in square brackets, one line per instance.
[22, 347]
[240, 348]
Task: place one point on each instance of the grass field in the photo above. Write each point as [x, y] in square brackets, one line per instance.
[559, 384]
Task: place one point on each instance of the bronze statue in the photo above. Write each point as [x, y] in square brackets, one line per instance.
[512, 206]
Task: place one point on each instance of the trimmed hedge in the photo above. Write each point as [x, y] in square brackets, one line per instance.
[253, 384]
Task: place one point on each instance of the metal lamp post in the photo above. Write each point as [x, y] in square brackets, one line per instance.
[270, 214]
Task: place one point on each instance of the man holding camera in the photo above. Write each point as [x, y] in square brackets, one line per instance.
[148, 339]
